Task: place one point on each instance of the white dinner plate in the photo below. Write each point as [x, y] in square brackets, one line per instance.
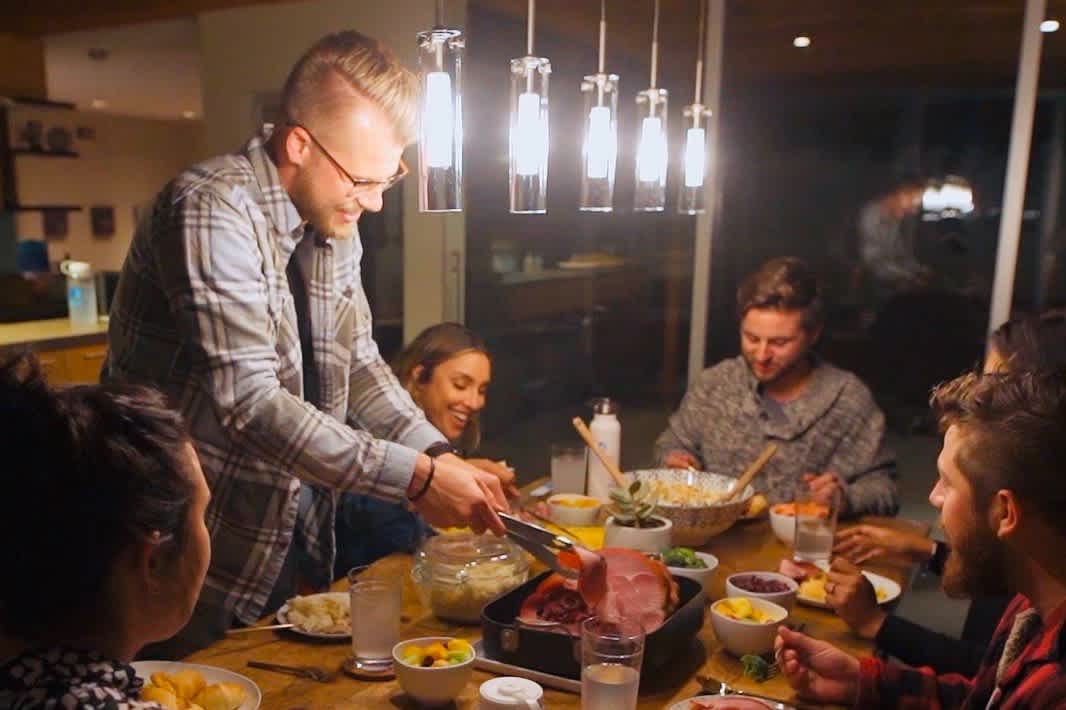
[890, 589]
[252, 696]
[283, 618]
[724, 702]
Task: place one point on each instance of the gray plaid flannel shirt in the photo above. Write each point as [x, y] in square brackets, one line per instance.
[203, 311]
[834, 426]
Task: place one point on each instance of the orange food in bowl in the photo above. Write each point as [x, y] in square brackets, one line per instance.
[576, 502]
[802, 508]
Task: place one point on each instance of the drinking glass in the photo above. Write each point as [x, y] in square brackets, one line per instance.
[816, 526]
[568, 468]
[376, 608]
[611, 654]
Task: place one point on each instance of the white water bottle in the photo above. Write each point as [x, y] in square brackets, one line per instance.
[607, 431]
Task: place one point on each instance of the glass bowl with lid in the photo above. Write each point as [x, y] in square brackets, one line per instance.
[457, 574]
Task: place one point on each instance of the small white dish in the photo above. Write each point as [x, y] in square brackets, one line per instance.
[741, 637]
[785, 598]
[431, 686]
[701, 575]
[574, 509]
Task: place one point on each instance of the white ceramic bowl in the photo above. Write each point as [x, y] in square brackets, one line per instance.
[743, 637]
[784, 526]
[695, 524]
[786, 599]
[703, 576]
[431, 686]
[650, 540]
[564, 514]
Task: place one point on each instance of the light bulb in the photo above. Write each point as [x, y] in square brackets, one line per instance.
[439, 117]
[601, 142]
[651, 152]
[529, 139]
[694, 157]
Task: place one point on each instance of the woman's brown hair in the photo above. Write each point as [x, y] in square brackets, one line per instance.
[433, 346]
[89, 471]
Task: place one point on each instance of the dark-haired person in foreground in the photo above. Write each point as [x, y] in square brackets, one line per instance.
[102, 538]
[824, 421]
[1000, 494]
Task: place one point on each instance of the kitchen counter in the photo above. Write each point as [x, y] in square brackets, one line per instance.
[51, 334]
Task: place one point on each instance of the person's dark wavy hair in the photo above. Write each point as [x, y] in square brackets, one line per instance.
[90, 470]
[1033, 342]
[1013, 426]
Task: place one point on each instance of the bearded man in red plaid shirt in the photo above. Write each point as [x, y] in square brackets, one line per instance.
[1001, 493]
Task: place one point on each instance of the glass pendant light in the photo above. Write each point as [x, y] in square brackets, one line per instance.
[650, 192]
[690, 195]
[600, 147]
[529, 128]
[440, 133]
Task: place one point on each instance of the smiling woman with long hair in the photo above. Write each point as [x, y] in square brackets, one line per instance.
[447, 370]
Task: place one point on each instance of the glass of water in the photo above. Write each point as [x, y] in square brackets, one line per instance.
[816, 525]
[568, 468]
[611, 654]
[376, 609]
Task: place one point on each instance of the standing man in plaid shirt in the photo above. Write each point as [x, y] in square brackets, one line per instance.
[1001, 497]
[241, 299]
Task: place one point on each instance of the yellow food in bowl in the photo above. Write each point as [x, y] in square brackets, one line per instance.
[741, 609]
[437, 654]
[187, 690]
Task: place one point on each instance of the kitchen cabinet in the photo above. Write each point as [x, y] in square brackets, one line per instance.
[73, 366]
[69, 355]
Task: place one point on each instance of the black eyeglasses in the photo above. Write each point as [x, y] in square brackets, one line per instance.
[359, 185]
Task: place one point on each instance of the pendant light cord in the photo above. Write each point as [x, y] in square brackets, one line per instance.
[655, 46]
[440, 13]
[603, 35]
[701, 49]
[529, 27]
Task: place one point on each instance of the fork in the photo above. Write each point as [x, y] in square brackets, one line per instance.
[319, 675]
[714, 686]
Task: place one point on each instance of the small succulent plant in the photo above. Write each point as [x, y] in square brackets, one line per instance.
[633, 506]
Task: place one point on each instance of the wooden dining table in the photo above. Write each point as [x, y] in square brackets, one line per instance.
[747, 546]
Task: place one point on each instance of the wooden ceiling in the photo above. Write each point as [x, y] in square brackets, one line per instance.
[906, 43]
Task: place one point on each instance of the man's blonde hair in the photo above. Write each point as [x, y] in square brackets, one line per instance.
[367, 66]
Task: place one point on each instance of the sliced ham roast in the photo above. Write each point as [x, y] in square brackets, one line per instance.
[614, 583]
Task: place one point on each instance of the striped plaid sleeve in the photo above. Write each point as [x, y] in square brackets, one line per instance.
[376, 401]
[890, 685]
[218, 291]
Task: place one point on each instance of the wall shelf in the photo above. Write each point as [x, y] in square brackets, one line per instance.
[45, 153]
[42, 208]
